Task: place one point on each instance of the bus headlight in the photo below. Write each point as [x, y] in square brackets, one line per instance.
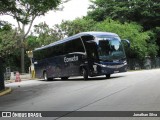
[103, 65]
[125, 62]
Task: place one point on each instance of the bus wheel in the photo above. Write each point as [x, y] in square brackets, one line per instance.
[64, 78]
[84, 73]
[108, 76]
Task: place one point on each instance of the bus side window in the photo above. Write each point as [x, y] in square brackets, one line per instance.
[73, 46]
[68, 47]
[78, 46]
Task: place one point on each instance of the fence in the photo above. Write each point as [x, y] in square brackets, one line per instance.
[148, 63]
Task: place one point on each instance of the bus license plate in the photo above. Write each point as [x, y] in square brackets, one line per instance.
[116, 71]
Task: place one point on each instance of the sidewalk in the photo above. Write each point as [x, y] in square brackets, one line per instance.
[12, 81]
[8, 90]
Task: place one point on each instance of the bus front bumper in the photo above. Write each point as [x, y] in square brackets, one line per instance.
[104, 69]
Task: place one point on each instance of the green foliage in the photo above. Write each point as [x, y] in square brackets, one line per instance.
[25, 13]
[7, 6]
[24, 10]
[9, 49]
[45, 34]
[32, 42]
[8, 40]
[144, 12]
[76, 26]
[141, 45]
[135, 20]
[157, 37]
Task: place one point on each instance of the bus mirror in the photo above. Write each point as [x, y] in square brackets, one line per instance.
[126, 41]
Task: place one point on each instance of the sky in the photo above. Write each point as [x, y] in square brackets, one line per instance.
[72, 10]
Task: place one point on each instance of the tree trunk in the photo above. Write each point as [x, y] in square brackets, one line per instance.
[22, 51]
[22, 59]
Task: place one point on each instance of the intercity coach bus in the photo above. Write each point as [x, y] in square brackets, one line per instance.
[84, 54]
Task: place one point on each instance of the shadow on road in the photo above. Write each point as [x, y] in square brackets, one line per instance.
[81, 79]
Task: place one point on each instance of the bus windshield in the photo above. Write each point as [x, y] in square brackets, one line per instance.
[110, 48]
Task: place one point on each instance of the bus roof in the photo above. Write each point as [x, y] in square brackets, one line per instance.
[95, 34]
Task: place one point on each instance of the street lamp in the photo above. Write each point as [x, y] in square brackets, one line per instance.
[30, 55]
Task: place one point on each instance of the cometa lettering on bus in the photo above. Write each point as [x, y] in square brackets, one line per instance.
[71, 59]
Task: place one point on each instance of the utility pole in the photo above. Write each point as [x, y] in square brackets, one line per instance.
[2, 86]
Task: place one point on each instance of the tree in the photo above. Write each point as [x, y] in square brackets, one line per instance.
[9, 47]
[25, 13]
[32, 42]
[46, 35]
[156, 31]
[144, 12]
[76, 26]
[8, 40]
[141, 45]
[7, 6]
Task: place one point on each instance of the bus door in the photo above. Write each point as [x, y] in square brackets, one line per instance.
[92, 54]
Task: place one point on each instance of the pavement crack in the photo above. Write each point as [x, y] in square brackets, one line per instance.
[102, 98]
[70, 112]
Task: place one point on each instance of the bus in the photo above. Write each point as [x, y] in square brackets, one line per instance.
[86, 54]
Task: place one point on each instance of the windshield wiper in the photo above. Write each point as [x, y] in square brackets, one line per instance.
[106, 60]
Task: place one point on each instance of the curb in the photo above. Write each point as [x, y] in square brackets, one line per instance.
[13, 81]
[6, 91]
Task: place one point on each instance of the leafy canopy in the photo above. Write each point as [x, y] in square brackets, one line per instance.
[141, 45]
[144, 12]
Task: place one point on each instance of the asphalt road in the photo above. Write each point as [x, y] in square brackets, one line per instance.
[131, 91]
